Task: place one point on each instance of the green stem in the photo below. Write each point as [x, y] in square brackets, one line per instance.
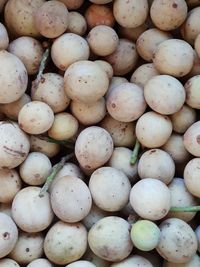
[56, 168]
[186, 209]
[66, 143]
[43, 61]
[135, 153]
[41, 69]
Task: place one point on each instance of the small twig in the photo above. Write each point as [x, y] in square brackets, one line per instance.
[43, 62]
[56, 168]
[65, 143]
[186, 209]
[135, 153]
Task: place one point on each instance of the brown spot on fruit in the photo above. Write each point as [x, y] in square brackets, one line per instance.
[14, 152]
[113, 105]
[6, 236]
[174, 5]
[42, 79]
[152, 151]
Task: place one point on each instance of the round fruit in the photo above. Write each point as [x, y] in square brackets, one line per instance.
[145, 235]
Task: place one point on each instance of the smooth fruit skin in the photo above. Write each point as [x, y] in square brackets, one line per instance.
[145, 235]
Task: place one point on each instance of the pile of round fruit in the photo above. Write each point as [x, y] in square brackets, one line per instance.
[99, 133]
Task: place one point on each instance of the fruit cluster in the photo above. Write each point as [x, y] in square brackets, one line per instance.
[99, 133]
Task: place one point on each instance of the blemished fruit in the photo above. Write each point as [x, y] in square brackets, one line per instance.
[29, 50]
[75, 48]
[109, 238]
[13, 76]
[167, 63]
[120, 99]
[156, 199]
[99, 133]
[168, 14]
[94, 147]
[71, 199]
[14, 145]
[149, 40]
[185, 245]
[102, 40]
[180, 197]
[85, 81]
[153, 129]
[110, 188]
[157, 164]
[70, 237]
[122, 12]
[161, 87]
[36, 117]
[8, 262]
[135, 260]
[29, 247]
[9, 234]
[41, 214]
[51, 19]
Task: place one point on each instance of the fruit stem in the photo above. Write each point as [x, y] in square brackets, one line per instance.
[43, 63]
[135, 153]
[65, 143]
[186, 209]
[56, 168]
